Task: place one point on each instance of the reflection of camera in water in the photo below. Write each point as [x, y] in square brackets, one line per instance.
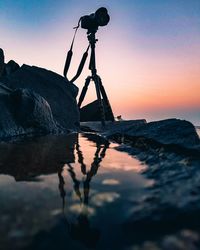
[94, 20]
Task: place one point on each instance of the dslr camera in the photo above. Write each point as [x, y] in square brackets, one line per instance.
[93, 21]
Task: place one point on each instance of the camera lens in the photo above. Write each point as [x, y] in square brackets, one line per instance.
[102, 17]
[94, 20]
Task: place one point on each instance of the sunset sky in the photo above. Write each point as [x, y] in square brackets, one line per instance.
[148, 56]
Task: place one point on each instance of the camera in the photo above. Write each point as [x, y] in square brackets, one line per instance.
[93, 21]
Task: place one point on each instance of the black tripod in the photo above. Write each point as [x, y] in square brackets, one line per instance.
[103, 102]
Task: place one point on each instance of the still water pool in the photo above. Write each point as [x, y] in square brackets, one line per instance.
[67, 192]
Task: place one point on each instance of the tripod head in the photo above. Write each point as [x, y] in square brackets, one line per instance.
[91, 23]
[92, 38]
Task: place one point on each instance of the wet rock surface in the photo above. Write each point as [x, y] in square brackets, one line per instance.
[182, 240]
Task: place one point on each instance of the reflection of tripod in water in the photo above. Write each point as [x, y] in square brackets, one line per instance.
[103, 102]
[98, 157]
[82, 230]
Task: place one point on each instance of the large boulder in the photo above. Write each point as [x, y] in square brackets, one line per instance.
[25, 112]
[167, 132]
[56, 90]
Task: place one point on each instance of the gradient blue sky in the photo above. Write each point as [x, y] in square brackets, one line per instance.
[148, 56]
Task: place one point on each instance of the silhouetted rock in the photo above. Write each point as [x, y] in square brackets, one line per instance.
[25, 112]
[11, 67]
[56, 90]
[2, 64]
[166, 132]
[91, 112]
[111, 127]
[170, 131]
[7, 69]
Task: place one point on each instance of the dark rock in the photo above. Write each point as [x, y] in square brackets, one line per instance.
[56, 90]
[32, 111]
[10, 68]
[166, 132]
[171, 131]
[25, 112]
[7, 69]
[111, 127]
[4, 89]
[2, 64]
[91, 112]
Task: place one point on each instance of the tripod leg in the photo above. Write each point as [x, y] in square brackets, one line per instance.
[105, 99]
[84, 90]
[101, 107]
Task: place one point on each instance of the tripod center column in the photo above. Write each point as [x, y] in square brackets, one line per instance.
[92, 66]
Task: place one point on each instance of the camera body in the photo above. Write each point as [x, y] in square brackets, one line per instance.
[93, 21]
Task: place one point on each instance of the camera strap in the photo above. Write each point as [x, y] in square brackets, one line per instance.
[81, 65]
[70, 52]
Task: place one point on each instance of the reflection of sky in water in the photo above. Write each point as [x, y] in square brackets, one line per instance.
[110, 182]
[101, 196]
[113, 160]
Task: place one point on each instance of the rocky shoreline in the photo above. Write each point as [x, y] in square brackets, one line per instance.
[37, 101]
